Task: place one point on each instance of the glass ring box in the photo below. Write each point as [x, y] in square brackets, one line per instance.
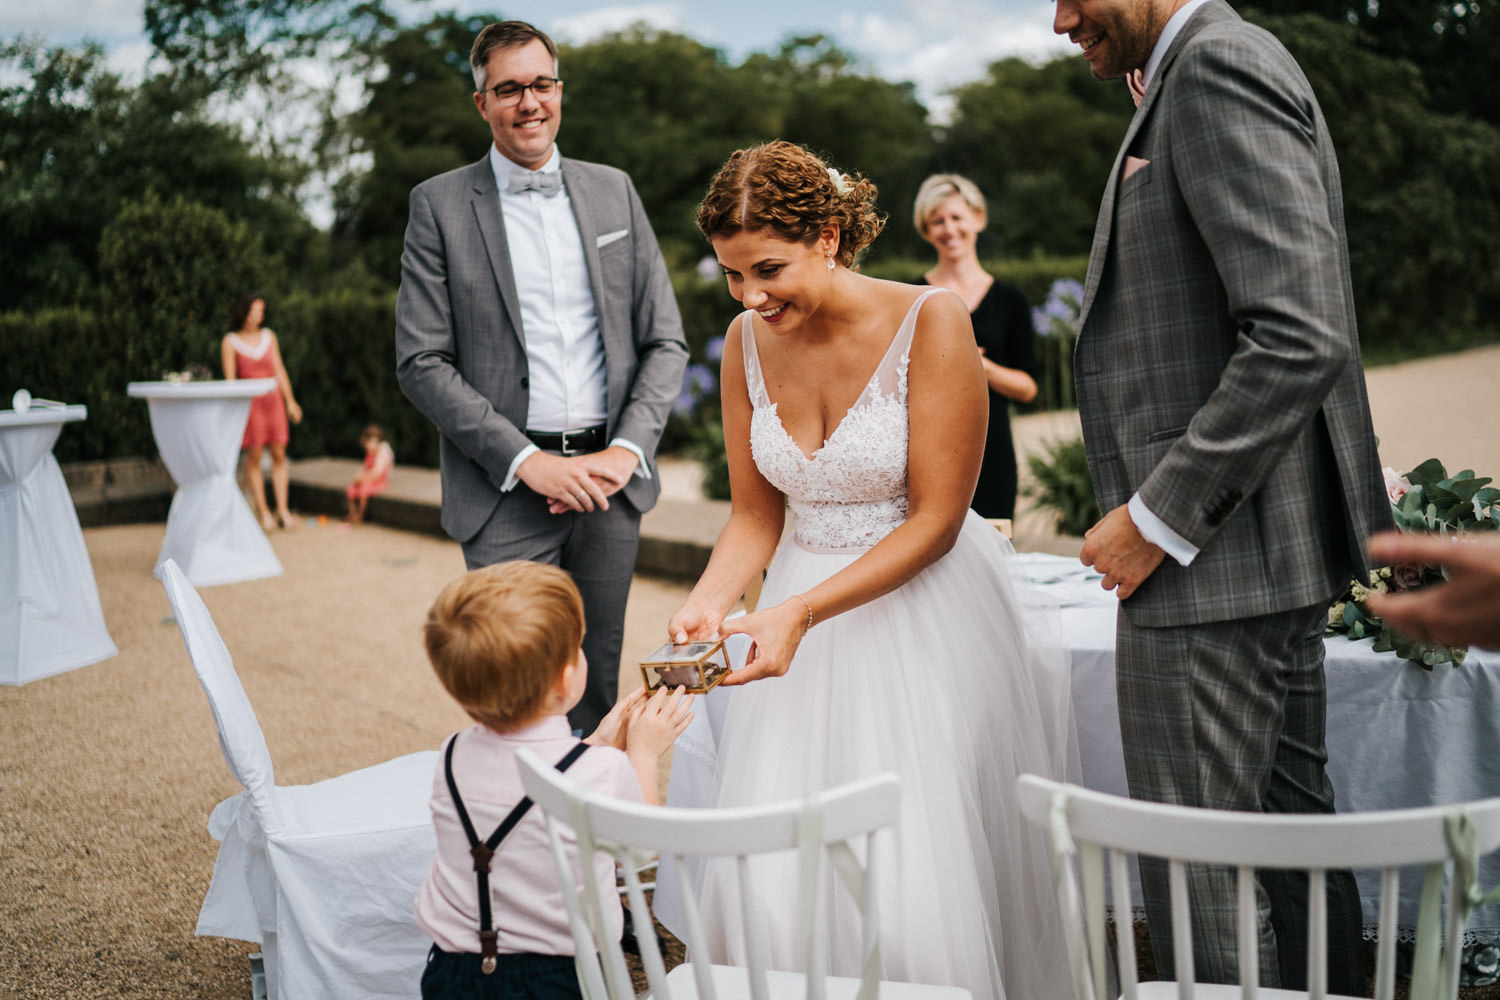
[696, 666]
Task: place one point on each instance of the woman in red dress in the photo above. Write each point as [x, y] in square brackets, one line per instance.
[250, 350]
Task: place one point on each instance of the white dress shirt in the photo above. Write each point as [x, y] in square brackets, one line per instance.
[1152, 528]
[559, 320]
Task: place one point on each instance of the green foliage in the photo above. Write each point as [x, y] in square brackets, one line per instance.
[338, 350]
[67, 354]
[76, 144]
[1425, 500]
[418, 121]
[1421, 188]
[1452, 44]
[708, 448]
[1060, 483]
[1438, 502]
[1039, 141]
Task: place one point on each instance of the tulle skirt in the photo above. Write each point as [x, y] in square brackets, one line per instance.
[957, 681]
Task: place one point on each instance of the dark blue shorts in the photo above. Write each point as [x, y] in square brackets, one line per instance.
[452, 976]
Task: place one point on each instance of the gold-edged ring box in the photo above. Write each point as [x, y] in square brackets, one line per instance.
[695, 666]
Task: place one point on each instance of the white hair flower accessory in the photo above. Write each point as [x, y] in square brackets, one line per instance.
[840, 183]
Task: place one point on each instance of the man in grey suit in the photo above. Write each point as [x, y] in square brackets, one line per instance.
[536, 328]
[1229, 441]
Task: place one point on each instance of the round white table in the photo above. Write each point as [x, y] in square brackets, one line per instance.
[50, 617]
[211, 531]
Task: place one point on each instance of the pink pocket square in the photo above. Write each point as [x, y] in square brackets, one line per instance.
[1132, 164]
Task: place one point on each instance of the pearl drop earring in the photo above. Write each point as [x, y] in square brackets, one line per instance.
[830, 263]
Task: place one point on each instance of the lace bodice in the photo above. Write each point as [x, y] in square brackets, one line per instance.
[852, 491]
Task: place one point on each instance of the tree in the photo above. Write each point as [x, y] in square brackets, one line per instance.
[418, 121]
[76, 143]
[1453, 43]
[1039, 141]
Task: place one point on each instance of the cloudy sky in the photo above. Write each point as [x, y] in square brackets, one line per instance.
[934, 43]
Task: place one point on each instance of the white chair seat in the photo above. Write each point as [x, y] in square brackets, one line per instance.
[322, 876]
[731, 983]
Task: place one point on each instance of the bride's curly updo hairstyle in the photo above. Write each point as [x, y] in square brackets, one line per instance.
[782, 187]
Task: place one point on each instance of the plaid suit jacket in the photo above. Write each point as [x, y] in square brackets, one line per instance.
[460, 349]
[1217, 366]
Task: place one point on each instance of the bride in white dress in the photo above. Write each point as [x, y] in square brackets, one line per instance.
[890, 634]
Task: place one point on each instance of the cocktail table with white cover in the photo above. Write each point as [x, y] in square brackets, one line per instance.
[211, 531]
[50, 616]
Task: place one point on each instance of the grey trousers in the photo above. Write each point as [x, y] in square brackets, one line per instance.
[1231, 715]
[597, 549]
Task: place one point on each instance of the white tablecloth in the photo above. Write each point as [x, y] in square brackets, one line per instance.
[50, 617]
[1398, 735]
[211, 531]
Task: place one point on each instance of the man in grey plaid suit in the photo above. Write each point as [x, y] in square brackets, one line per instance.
[536, 327]
[1229, 441]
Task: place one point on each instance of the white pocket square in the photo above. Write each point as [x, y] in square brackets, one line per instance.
[608, 238]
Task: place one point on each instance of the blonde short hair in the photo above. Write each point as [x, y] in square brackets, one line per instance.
[498, 636]
[939, 188]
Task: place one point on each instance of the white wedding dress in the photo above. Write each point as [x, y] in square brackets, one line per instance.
[957, 681]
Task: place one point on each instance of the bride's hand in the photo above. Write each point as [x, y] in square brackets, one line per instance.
[775, 634]
[693, 624]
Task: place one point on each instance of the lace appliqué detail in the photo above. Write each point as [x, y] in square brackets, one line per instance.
[852, 492]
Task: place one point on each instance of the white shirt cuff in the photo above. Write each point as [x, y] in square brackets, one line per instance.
[641, 468]
[1156, 531]
[515, 463]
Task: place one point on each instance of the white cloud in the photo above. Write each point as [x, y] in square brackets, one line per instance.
[583, 27]
[68, 21]
[939, 44]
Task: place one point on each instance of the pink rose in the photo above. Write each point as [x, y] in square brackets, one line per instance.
[1396, 484]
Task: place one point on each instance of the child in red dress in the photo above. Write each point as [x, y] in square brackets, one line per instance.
[373, 476]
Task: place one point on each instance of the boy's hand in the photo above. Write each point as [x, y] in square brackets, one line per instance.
[655, 725]
[611, 729]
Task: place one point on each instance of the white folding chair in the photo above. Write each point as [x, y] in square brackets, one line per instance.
[829, 826]
[1090, 831]
[323, 876]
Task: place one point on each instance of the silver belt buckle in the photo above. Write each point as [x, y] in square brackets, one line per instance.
[568, 449]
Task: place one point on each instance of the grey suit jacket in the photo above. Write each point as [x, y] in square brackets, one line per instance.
[1217, 366]
[460, 349]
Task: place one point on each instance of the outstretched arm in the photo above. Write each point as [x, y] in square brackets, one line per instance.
[1463, 610]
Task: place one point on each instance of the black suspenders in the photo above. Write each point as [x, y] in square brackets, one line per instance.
[484, 852]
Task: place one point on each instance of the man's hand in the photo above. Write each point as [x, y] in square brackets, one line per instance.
[566, 482]
[604, 474]
[1115, 548]
[1463, 609]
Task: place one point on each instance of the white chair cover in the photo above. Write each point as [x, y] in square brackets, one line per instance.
[323, 876]
[50, 616]
[211, 531]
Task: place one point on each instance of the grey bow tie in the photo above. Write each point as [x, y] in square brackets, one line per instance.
[546, 184]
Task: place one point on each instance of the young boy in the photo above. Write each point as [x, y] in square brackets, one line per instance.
[506, 643]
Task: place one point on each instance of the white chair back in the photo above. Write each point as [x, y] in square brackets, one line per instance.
[240, 737]
[836, 826]
[1090, 830]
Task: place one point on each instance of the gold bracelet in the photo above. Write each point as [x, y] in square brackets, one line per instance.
[809, 610]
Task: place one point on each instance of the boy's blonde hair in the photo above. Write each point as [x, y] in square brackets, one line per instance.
[498, 636]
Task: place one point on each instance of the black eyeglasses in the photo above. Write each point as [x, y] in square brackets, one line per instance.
[509, 92]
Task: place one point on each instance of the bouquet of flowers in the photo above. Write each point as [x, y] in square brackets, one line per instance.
[1426, 499]
[194, 372]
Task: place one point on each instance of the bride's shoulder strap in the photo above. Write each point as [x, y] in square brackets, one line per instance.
[893, 366]
[754, 381]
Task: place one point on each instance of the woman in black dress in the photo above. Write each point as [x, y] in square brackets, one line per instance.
[949, 213]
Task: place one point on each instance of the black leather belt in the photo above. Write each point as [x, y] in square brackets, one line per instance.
[578, 442]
